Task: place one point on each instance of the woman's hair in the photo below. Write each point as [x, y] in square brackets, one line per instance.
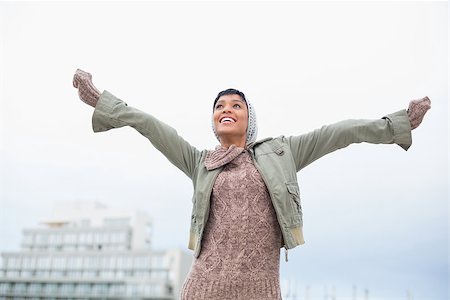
[230, 92]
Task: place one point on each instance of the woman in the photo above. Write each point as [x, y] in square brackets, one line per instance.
[246, 202]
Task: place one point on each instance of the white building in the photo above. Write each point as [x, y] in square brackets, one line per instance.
[87, 251]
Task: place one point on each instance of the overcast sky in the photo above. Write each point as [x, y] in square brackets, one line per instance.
[375, 216]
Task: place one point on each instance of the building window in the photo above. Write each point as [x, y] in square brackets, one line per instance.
[120, 274]
[132, 290]
[5, 262]
[91, 262]
[58, 262]
[110, 262]
[82, 236]
[100, 289]
[42, 273]
[70, 248]
[71, 262]
[83, 289]
[116, 289]
[14, 262]
[122, 237]
[12, 273]
[56, 274]
[152, 290]
[89, 274]
[51, 289]
[142, 274]
[142, 262]
[104, 237]
[33, 260]
[34, 288]
[52, 239]
[107, 274]
[78, 262]
[26, 273]
[104, 262]
[5, 287]
[41, 239]
[70, 238]
[157, 261]
[121, 261]
[67, 289]
[43, 262]
[119, 241]
[128, 262]
[20, 288]
[58, 238]
[97, 237]
[26, 262]
[89, 238]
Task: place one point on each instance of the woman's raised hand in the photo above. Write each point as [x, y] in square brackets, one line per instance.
[87, 92]
[416, 111]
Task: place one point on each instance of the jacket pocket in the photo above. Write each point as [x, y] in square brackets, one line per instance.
[294, 192]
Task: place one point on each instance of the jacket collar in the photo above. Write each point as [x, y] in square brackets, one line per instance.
[251, 145]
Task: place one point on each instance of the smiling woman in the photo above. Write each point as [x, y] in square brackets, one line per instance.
[246, 202]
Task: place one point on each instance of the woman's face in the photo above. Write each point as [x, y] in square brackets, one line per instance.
[231, 117]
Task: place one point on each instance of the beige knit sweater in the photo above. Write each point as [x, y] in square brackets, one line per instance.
[242, 239]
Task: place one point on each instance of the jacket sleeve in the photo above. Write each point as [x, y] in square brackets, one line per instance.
[393, 128]
[111, 112]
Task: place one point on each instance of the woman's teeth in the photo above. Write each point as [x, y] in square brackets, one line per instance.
[227, 120]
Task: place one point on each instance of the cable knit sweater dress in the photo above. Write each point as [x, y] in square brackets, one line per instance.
[242, 238]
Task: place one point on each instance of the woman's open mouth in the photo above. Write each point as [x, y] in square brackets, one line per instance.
[227, 120]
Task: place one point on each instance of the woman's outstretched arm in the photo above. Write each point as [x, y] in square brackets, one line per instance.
[111, 112]
[393, 128]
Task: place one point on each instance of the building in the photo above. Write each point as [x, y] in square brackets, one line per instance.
[87, 251]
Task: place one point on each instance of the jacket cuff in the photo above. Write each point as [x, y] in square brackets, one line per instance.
[402, 128]
[102, 118]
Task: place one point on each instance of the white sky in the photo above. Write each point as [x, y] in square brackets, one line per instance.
[374, 215]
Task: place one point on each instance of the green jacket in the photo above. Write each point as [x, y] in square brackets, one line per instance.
[277, 159]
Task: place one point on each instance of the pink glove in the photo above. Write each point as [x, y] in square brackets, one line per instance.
[416, 111]
[87, 92]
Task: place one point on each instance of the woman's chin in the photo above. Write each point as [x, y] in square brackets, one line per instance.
[227, 132]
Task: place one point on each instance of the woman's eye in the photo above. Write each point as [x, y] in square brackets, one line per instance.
[237, 105]
[218, 106]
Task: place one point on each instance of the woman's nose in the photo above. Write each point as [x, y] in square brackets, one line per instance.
[226, 109]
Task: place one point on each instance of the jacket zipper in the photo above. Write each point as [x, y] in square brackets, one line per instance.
[274, 206]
